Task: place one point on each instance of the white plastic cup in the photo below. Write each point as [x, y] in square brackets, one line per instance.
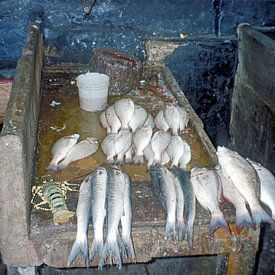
[93, 91]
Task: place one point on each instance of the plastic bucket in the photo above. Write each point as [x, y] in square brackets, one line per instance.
[93, 91]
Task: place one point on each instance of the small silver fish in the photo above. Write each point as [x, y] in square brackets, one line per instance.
[60, 150]
[124, 109]
[138, 118]
[208, 193]
[81, 150]
[245, 179]
[83, 213]
[175, 150]
[172, 118]
[122, 144]
[112, 119]
[99, 185]
[149, 121]
[141, 139]
[161, 122]
[186, 156]
[159, 143]
[108, 147]
[104, 122]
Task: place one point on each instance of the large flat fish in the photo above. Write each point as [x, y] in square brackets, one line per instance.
[149, 121]
[208, 193]
[173, 118]
[81, 150]
[161, 122]
[267, 181]
[99, 184]
[231, 194]
[104, 122]
[108, 147]
[138, 118]
[112, 119]
[83, 213]
[184, 118]
[164, 188]
[123, 143]
[124, 109]
[115, 207]
[186, 156]
[245, 179]
[175, 150]
[149, 155]
[189, 201]
[60, 150]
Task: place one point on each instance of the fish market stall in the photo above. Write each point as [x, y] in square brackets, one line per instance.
[44, 107]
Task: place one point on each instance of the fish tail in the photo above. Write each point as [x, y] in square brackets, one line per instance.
[189, 234]
[243, 219]
[52, 166]
[61, 165]
[259, 215]
[129, 247]
[80, 246]
[111, 250]
[96, 247]
[181, 228]
[170, 229]
[217, 221]
[138, 159]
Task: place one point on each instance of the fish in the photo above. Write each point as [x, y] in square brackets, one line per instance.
[81, 150]
[124, 109]
[267, 183]
[141, 139]
[126, 220]
[149, 121]
[189, 201]
[149, 155]
[175, 150]
[164, 188]
[115, 207]
[83, 213]
[104, 122]
[129, 155]
[98, 197]
[108, 147]
[161, 122]
[159, 143]
[231, 194]
[184, 118]
[186, 156]
[60, 150]
[245, 179]
[208, 193]
[139, 117]
[164, 158]
[172, 118]
[112, 119]
[123, 143]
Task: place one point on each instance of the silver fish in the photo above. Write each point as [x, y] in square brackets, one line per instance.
[149, 155]
[104, 122]
[189, 201]
[245, 179]
[173, 118]
[208, 192]
[108, 147]
[161, 122]
[122, 144]
[186, 156]
[99, 183]
[138, 118]
[81, 150]
[267, 181]
[149, 121]
[164, 188]
[175, 150]
[115, 206]
[231, 194]
[60, 150]
[112, 119]
[83, 213]
[126, 220]
[141, 139]
[124, 109]
[184, 118]
[159, 142]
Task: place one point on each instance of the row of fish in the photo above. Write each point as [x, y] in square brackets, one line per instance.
[175, 192]
[101, 188]
[66, 150]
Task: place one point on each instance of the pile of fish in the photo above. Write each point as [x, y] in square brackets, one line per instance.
[175, 192]
[131, 137]
[239, 181]
[101, 188]
[66, 150]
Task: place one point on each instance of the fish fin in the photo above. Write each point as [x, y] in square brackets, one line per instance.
[181, 228]
[138, 159]
[243, 219]
[80, 246]
[217, 221]
[111, 250]
[52, 166]
[189, 234]
[127, 240]
[170, 230]
[259, 215]
[96, 247]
